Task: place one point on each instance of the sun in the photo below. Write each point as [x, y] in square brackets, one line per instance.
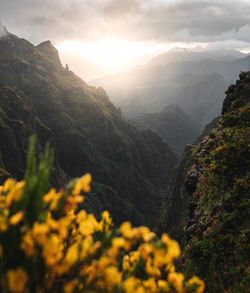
[112, 55]
[109, 56]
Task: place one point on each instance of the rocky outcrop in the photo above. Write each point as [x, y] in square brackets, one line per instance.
[51, 53]
[177, 206]
[215, 228]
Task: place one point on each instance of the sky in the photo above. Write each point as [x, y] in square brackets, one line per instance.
[98, 37]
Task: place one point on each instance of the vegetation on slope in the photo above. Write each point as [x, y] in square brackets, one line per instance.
[215, 173]
[178, 200]
[218, 247]
[88, 133]
[48, 245]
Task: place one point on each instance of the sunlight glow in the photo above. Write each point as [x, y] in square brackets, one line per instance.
[113, 55]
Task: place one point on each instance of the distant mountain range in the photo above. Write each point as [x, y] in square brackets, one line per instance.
[184, 55]
[194, 81]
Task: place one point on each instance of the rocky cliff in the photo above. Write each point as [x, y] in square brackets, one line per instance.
[210, 198]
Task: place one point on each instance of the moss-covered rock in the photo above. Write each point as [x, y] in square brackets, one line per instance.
[217, 224]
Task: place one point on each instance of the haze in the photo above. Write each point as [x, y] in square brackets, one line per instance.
[99, 37]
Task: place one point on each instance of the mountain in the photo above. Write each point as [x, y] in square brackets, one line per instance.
[207, 206]
[172, 124]
[199, 97]
[183, 54]
[38, 95]
[195, 84]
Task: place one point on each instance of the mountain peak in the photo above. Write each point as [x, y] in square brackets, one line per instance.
[172, 108]
[49, 51]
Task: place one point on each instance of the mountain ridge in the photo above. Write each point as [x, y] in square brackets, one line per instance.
[89, 134]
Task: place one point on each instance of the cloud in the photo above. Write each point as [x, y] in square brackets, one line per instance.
[143, 20]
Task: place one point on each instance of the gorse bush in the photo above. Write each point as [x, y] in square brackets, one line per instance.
[48, 245]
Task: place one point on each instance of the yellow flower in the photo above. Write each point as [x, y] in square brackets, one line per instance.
[8, 184]
[176, 279]
[160, 258]
[82, 183]
[112, 277]
[131, 284]
[53, 224]
[150, 284]
[145, 250]
[140, 289]
[69, 287]
[53, 198]
[71, 203]
[40, 232]
[88, 226]
[81, 216]
[17, 280]
[105, 261]
[14, 191]
[162, 284]
[195, 280]
[52, 250]
[151, 269]
[106, 221]
[118, 243]
[3, 224]
[146, 234]
[48, 197]
[28, 243]
[126, 230]
[173, 247]
[17, 218]
[85, 181]
[125, 263]
[72, 254]
[134, 256]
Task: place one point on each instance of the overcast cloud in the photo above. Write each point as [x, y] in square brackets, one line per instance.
[151, 26]
[140, 20]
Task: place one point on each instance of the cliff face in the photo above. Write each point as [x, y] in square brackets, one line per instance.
[216, 175]
[177, 205]
[38, 95]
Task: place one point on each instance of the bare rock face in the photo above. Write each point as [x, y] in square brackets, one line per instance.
[51, 54]
[191, 179]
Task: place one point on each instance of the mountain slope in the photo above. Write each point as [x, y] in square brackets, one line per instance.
[88, 132]
[213, 203]
[172, 125]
